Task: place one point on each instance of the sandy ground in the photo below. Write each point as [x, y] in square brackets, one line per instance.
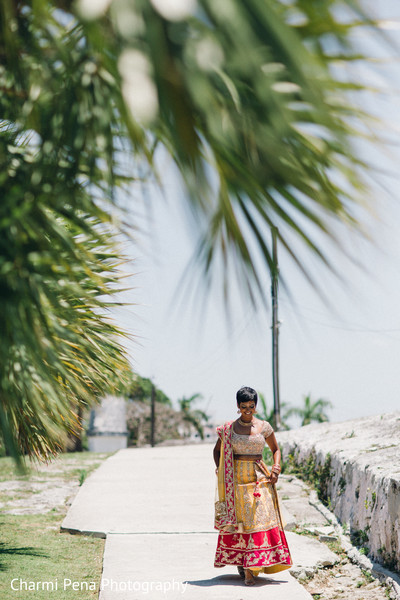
[344, 582]
[50, 487]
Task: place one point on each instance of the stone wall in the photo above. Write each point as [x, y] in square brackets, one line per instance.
[364, 486]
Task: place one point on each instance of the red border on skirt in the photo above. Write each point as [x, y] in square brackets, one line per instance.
[259, 549]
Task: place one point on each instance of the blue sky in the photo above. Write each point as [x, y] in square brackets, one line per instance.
[348, 353]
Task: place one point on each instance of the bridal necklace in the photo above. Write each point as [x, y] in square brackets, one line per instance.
[251, 424]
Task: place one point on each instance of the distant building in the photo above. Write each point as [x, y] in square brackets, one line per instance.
[107, 431]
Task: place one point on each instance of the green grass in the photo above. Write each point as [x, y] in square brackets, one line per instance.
[33, 549]
[368, 575]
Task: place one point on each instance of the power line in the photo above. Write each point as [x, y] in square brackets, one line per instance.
[358, 329]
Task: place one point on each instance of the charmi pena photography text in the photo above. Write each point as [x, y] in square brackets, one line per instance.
[17, 585]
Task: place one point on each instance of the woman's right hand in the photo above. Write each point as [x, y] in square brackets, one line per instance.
[273, 478]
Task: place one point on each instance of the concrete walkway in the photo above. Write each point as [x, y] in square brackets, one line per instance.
[155, 508]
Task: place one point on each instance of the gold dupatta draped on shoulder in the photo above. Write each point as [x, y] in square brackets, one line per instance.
[225, 514]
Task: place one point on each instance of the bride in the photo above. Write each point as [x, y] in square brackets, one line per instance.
[247, 514]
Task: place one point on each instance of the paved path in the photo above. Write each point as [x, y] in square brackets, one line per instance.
[155, 508]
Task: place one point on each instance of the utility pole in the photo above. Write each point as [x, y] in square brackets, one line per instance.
[153, 415]
[275, 330]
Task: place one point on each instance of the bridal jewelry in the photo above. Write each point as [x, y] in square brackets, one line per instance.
[251, 424]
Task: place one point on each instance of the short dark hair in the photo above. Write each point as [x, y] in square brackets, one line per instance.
[246, 394]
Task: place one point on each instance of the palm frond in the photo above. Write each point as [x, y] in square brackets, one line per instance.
[245, 101]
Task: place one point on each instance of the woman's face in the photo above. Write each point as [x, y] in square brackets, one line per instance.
[247, 409]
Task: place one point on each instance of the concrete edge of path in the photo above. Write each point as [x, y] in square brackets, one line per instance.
[70, 530]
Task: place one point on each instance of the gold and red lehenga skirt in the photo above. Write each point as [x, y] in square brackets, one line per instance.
[247, 516]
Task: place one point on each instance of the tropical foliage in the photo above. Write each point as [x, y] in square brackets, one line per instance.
[140, 388]
[248, 89]
[240, 94]
[192, 417]
[170, 423]
[311, 410]
[269, 415]
[59, 264]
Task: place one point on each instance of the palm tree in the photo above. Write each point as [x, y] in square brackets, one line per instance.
[234, 86]
[311, 411]
[59, 261]
[269, 415]
[242, 98]
[193, 417]
[140, 388]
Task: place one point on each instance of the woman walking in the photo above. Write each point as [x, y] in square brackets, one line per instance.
[247, 514]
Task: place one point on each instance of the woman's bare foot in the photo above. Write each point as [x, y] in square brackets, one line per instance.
[248, 577]
[241, 572]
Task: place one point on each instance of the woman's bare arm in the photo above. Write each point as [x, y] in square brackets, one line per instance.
[217, 452]
[276, 453]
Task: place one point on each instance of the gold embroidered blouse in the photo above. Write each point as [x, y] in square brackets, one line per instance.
[251, 444]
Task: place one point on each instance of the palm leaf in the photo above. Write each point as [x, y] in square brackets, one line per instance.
[240, 89]
[251, 112]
